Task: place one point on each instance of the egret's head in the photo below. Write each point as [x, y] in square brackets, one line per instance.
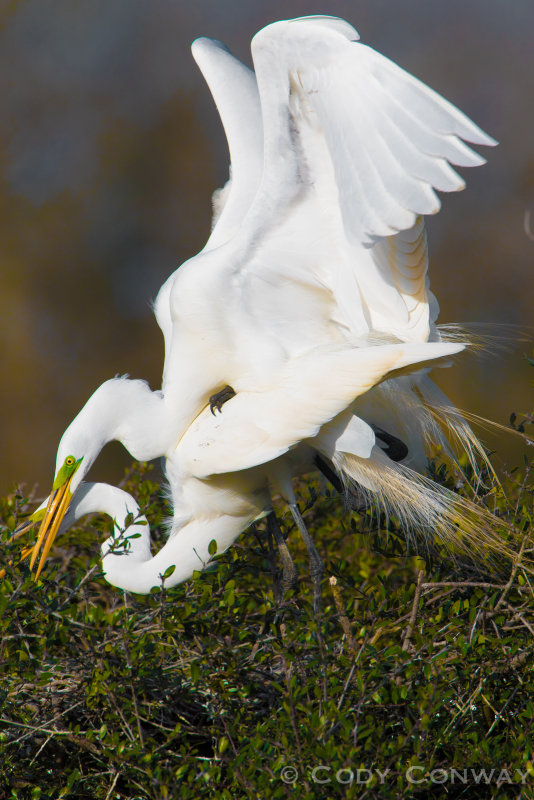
[82, 441]
[51, 513]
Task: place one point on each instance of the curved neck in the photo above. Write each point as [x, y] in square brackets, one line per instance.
[101, 498]
[187, 551]
[127, 560]
[124, 410]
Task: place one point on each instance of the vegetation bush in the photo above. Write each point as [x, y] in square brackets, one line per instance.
[411, 681]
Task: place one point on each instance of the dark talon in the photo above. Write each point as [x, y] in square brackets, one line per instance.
[395, 448]
[218, 399]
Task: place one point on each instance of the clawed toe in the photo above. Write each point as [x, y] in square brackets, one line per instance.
[218, 399]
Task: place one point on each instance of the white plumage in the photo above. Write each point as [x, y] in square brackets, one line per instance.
[312, 289]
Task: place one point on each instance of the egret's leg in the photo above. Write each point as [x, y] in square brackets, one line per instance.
[326, 468]
[218, 399]
[354, 500]
[289, 571]
[316, 564]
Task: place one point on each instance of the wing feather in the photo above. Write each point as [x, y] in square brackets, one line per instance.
[256, 427]
[333, 146]
[328, 245]
[387, 160]
[235, 91]
[403, 262]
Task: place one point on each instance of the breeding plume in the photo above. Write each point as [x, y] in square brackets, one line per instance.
[294, 339]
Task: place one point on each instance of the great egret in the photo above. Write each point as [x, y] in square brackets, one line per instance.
[212, 504]
[311, 290]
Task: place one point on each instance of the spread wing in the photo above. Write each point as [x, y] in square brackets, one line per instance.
[388, 137]
[336, 154]
[350, 135]
[320, 239]
[235, 91]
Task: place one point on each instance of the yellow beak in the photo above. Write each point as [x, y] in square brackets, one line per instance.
[55, 511]
[50, 517]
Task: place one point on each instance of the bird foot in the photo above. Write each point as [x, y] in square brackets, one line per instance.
[289, 574]
[218, 399]
[289, 571]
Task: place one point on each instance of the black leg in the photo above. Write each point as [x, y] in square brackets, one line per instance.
[328, 471]
[289, 571]
[316, 564]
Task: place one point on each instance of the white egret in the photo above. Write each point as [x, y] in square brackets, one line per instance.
[210, 504]
[311, 290]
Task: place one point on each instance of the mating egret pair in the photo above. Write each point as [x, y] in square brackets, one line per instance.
[297, 337]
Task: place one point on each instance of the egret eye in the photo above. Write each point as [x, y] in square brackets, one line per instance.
[66, 471]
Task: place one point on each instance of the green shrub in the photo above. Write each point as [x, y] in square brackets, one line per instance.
[221, 688]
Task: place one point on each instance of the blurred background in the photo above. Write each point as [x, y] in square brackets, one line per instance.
[110, 148]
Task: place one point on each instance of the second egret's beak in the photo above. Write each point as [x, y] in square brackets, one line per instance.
[51, 516]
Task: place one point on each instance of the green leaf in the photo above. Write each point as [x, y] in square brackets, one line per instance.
[212, 547]
[168, 572]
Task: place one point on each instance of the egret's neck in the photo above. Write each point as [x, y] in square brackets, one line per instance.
[204, 510]
[123, 410]
[130, 524]
[187, 550]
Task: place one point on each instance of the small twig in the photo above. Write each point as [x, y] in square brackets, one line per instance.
[520, 617]
[473, 626]
[467, 704]
[115, 779]
[357, 713]
[522, 489]
[341, 613]
[513, 573]
[126, 728]
[79, 585]
[498, 714]
[50, 736]
[496, 630]
[463, 585]
[415, 606]
[344, 692]
[292, 719]
[132, 689]
[44, 728]
[349, 678]
[248, 786]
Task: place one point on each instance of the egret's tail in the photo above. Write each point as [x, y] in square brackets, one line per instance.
[430, 513]
[417, 412]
